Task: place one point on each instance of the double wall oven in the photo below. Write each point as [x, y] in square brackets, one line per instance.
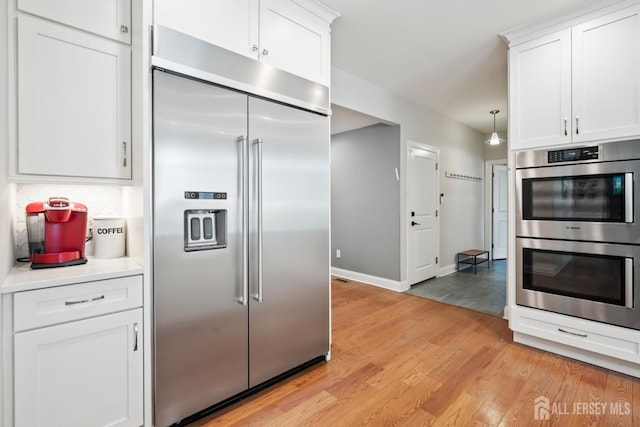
[577, 232]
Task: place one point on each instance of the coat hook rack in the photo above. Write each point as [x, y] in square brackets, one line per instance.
[462, 176]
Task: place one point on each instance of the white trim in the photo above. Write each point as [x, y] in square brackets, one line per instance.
[407, 151]
[380, 282]
[320, 10]
[584, 11]
[507, 312]
[445, 271]
[618, 365]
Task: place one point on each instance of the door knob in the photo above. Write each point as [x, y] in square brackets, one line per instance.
[413, 223]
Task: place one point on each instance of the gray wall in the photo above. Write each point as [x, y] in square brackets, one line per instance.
[365, 201]
[461, 151]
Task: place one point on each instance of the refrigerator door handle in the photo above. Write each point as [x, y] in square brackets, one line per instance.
[244, 202]
[258, 143]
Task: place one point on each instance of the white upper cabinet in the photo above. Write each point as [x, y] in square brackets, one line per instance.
[74, 103]
[292, 35]
[231, 24]
[540, 91]
[606, 76]
[108, 18]
[295, 40]
[577, 85]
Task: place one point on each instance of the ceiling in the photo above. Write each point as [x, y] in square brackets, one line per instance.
[445, 55]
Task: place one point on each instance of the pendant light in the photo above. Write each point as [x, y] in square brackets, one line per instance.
[495, 139]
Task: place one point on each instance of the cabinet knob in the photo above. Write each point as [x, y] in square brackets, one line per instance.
[265, 52]
[577, 125]
[254, 48]
[124, 29]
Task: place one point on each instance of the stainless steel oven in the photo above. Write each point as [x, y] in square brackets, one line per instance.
[595, 281]
[584, 193]
[577, 232]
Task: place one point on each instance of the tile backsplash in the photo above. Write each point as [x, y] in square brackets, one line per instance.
[100, 200]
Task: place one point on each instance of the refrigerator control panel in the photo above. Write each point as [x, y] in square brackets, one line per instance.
[205, 229]
[204, 195]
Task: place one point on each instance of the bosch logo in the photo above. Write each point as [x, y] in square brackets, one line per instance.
[113, 230]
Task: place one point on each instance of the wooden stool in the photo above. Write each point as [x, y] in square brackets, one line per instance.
[471, 257]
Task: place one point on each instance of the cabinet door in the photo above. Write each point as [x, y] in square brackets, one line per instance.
[85, 373]
[295, 40]
[108, 18]
[74, 102]
[606, 76]
[540, 92]
[231, 24]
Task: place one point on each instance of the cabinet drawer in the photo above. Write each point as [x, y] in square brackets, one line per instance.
[33, 309]
[613, 341]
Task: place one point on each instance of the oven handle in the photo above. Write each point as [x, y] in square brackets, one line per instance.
[628, 282]
[628, 197]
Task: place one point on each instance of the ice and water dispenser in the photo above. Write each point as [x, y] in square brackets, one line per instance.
[205, 228]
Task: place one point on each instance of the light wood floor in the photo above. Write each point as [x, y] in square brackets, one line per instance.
[399, 359]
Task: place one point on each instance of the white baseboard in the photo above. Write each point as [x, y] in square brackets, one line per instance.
[380, 282]
[507, 312]
[444, 271]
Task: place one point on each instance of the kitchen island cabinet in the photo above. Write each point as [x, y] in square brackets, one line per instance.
[73, 348]
[579, 84]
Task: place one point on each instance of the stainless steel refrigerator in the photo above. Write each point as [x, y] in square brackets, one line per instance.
[240, 242]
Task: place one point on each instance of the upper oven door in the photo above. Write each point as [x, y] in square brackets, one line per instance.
[594, 202]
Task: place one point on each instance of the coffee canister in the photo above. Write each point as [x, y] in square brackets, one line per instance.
[109, 236]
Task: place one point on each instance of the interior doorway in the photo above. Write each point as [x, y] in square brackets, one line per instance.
[496, 202]
[423, 188]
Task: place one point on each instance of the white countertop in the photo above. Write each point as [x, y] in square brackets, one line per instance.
[23, 278]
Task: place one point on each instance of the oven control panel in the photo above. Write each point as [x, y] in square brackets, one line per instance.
[573, 154]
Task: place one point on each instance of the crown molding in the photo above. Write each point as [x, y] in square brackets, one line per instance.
[323, 12]
[566, 18]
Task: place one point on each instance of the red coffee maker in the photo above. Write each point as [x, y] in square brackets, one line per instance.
[56, 230]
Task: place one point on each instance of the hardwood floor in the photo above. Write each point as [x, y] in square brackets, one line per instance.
[400, 359]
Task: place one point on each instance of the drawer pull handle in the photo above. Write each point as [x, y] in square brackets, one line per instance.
[135, 337]
[84, 301]
[573, 333]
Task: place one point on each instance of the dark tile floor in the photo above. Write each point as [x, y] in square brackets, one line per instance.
[485, 291]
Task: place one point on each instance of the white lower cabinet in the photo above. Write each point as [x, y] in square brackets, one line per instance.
[84, 373]
[594, 337]
[77, 354]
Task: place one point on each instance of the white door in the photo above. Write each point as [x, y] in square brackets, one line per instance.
[499, 210]
[422, 226]
[84, 373]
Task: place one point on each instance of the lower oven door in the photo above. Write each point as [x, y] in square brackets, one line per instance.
[590, 280]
